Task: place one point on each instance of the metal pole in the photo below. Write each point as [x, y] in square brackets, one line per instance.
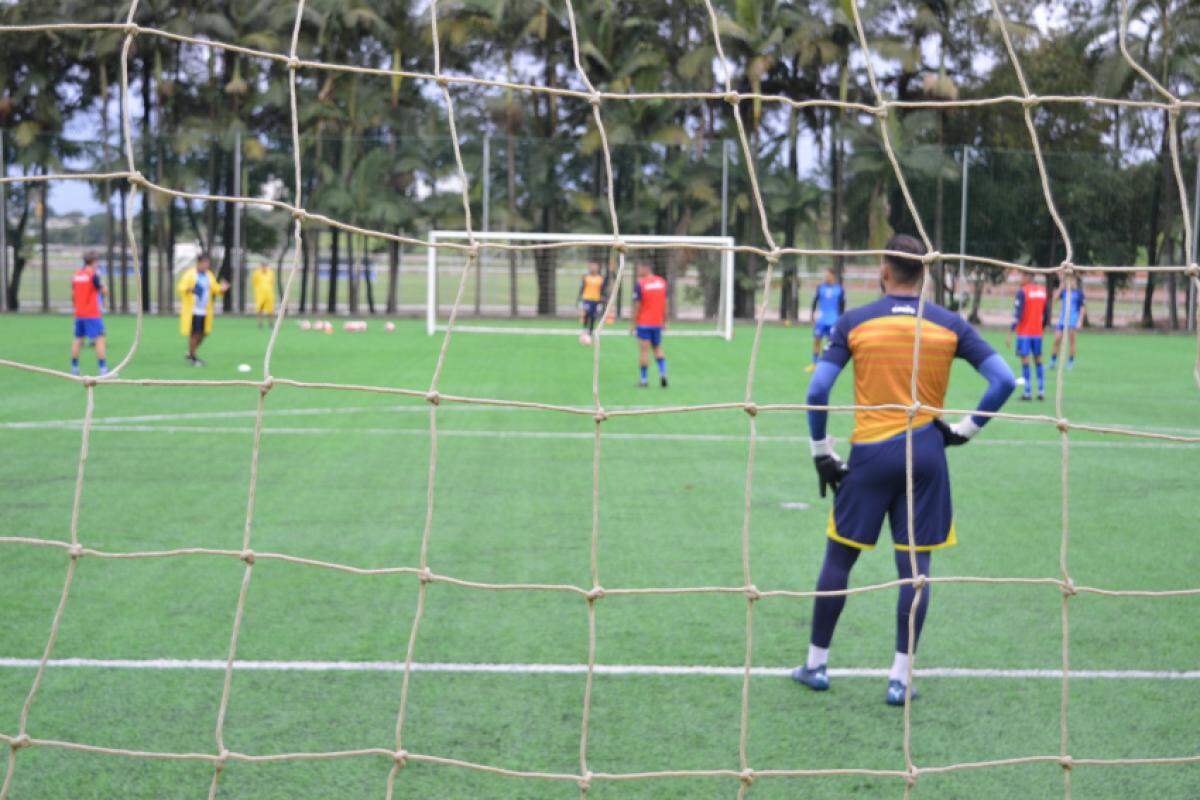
[724, 187]
[1195, 224]
[487, 202]
[239, 268]
[431, 286]
[3, 229]
[961, 281]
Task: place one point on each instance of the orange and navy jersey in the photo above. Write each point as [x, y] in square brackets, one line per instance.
[1031, 312]
[591, 288]
[879, 338]
[85, 290]
[651, 294]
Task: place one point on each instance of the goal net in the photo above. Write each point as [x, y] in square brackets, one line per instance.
[531, 283]
[73, 542]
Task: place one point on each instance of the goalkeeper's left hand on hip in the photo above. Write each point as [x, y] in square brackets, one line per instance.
[957, 434]
[830, 469]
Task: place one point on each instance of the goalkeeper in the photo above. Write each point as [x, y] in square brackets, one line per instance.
[879, 337]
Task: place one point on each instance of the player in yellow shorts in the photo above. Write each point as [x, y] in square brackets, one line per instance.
[262, 281]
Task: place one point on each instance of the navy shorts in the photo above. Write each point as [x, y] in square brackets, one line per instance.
[651, 333]
[1029, 346]
[875, 487]
[89, 327]
[198, 323]
[822, 330]
[591, 308]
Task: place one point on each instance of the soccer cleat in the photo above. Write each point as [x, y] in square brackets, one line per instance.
[1026, 397]
[1041, 395]
[895, 694]
[815, 679]
[74, 370]
[663, 381]
[810, 368]
[198, 362]
[642, 383]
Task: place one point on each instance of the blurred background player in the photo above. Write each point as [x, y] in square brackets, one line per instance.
[591, 296]
[1031, 314]
[1070, 314]
[262, 281]
[649, 319]
[828, 304]
[88, 293]
[873, 484]
[197, 288]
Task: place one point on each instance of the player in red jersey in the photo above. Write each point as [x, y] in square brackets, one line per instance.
[649, 319]
[87, 292]
[1031, 313]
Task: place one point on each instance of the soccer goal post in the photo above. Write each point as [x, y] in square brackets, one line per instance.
[534, 288]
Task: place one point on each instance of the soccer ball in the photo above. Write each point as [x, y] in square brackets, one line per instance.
[389, 327]
[305, 325]
[1020, 381]
[243, 367]
[585, 339]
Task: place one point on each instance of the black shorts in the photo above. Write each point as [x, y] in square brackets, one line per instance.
[198, 323]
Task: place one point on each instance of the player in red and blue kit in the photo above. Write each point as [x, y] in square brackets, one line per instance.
[1031, 314]
[1070, 315]
[87, 292]
[828, 304]
[649, 319]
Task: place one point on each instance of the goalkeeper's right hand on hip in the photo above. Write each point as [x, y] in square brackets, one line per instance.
[830, 469]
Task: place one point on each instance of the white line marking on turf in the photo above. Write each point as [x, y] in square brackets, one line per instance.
[518, 434]
[577, 669]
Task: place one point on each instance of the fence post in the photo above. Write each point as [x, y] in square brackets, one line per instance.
[487, 202]
[1191, 284]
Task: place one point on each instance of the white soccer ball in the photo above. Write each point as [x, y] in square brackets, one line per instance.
[305, 325]
[585, 339]
[243, 367]
[389, 327]
[1020, 381]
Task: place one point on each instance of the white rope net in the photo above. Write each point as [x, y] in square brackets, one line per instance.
[907, 773]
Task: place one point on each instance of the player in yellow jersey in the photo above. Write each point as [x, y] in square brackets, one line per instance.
[591, 299]
[262, 281]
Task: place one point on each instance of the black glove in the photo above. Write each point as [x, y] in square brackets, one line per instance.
[830, 471]
[950, 437]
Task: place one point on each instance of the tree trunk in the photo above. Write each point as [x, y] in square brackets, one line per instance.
[789, 306]
[1110, 298]
[313, 243]
[109, 233]
[147, 110]
[123, 192]
[366, 277]
[1156, 202]
[227, 254]
[351, 274]
[304, 263]
[331, 304]
[45, 244]
[393, 276]
[835, 208]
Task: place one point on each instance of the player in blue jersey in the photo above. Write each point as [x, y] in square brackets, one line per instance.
[828, 304]
[872, 485]
[1071, 308]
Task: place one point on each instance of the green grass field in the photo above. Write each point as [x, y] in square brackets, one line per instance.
[343, 479]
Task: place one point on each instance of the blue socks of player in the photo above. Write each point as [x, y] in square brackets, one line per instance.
[103, 364]
[74, 366]
[642, 372]
[1025, 377]
[1041, 375]
[662, 367]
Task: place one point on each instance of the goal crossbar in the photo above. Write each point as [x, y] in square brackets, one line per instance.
[724, 244]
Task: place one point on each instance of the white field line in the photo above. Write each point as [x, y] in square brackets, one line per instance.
[518, 434]
[578, 669]
[415, 407]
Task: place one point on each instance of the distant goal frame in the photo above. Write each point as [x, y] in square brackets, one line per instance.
[726, 245]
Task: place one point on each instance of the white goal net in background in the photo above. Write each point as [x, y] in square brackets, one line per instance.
[540, 277]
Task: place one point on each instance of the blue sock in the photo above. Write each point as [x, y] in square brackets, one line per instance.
[102, 363]
[1041, 373]
[642, 370]
[662, 367]
[816, 357]
[1070, 360]
[1025, 375]
[75, 363]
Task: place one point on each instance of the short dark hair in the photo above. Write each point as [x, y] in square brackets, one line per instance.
[90, 257]
[908, 270]
[203, 256]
